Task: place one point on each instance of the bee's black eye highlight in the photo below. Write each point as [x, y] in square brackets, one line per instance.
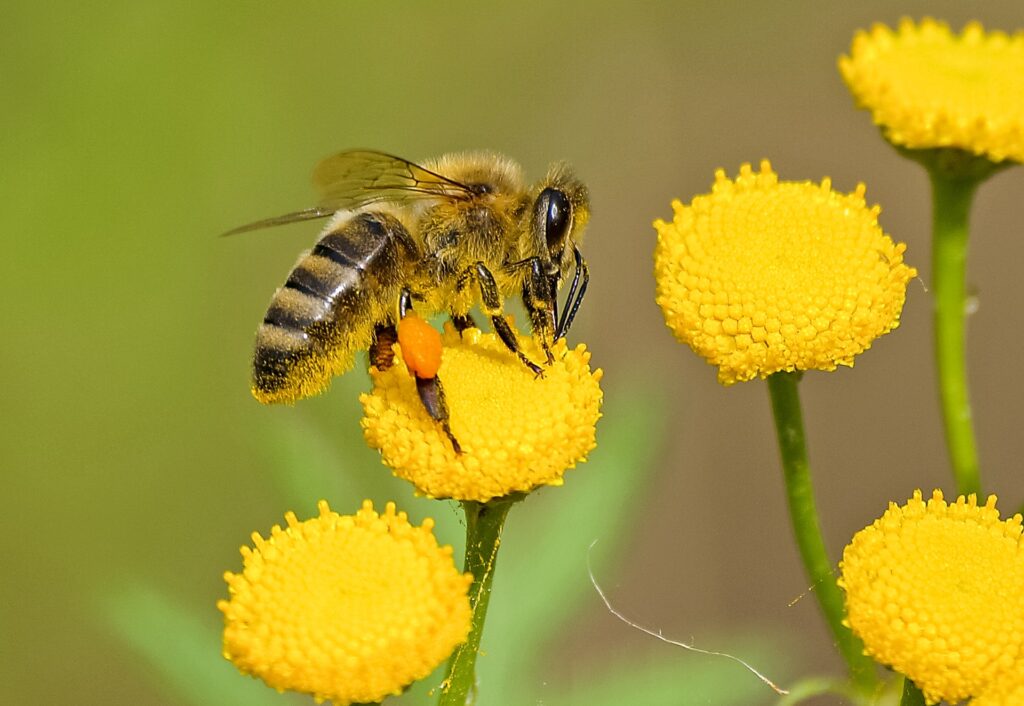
[558, 217]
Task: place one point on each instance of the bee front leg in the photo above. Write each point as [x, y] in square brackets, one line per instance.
[540, 302]
[490, 300]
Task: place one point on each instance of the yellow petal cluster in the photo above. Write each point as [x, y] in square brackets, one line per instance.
[927, 87]
[763, 275]
[351, 608]
[517, 431]
[1007, 690]
[936, 591]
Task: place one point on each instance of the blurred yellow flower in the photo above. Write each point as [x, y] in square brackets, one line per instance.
[350, 608]
[517, 431]
[936, 591]
[763, 275]
[1007, 690]
[927, 87]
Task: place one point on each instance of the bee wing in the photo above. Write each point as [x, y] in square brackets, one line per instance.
[359, 177]
[307, 214]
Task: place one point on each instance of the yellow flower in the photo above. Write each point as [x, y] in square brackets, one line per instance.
[350, 608]
[936, 591]
[1007, 690]
[927, 87]
[517, 431]
[763, 275]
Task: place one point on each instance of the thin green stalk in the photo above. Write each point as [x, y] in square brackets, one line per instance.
[484, 522]
[951, 205]
[803, 515]
[912, 696]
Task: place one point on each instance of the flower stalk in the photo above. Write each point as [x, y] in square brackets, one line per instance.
[484, 523]
[803, 515]
[955, 177]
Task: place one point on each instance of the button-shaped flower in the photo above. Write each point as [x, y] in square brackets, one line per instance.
[927, 87]
[762, 275]
[936, 591]
[349, 608]
[1007, 690]
[517, 430]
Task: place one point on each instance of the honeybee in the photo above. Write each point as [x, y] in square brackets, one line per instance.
[461, 230]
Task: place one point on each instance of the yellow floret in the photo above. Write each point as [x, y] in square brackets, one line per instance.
[936, 591]
[927, 87]
[517, 431]
[761, 275]
[1007, 690]
[348, 608]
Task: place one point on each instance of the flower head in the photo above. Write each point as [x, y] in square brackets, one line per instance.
[1006, 690]
[927, 87]
[349, 608]
[762, 275]
[936, 591]
[517, 430]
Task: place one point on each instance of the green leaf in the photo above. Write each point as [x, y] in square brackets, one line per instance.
[184, 650]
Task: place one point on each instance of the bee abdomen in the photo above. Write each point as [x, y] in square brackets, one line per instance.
[327, 308]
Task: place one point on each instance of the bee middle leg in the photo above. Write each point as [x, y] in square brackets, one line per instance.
[461, 322]
[490, 301]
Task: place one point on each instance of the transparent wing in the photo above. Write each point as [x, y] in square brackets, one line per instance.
[359, 177]
[307, 214]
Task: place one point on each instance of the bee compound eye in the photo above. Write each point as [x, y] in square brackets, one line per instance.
[557, 218]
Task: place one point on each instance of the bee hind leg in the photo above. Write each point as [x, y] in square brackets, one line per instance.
[382, 352]
[431, 394]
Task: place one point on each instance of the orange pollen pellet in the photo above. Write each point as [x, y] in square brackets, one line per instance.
[421, 346]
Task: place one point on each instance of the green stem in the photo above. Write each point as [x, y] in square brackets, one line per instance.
[484, 522]
[789, 427]
[951, 205]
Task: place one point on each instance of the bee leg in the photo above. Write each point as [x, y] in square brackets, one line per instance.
[491, 304]
[428, 385]
[382, 355]
[540, 301]
[432, 396]
[463, 322]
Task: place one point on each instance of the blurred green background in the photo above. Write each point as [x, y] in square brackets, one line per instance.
[135, 462]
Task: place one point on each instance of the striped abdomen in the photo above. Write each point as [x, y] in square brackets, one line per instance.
[326, 310]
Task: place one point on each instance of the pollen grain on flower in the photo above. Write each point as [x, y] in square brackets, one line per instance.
[517, 430]
[1006, 690]
[763, 275]
[351, 608]
[927, 87]
[936, 591]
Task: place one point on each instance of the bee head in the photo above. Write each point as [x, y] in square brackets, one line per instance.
[560, 213]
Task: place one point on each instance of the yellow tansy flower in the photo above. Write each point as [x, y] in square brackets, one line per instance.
[927, 87]
[517, 431]
[1007, 690]
[350, 608]
[936, 591]
[763, 275]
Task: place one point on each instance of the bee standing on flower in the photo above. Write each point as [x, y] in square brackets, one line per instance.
[463, 229]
